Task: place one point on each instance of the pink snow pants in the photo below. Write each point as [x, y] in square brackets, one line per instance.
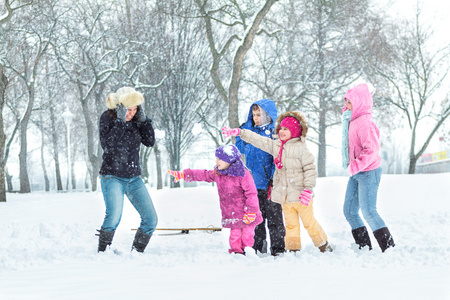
[241, 238]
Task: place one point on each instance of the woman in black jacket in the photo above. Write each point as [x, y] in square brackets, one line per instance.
[123, 127]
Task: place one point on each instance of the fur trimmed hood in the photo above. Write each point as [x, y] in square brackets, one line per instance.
[125, 95]
[296, 114]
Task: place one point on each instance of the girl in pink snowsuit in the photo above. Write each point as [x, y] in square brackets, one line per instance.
[237, 194]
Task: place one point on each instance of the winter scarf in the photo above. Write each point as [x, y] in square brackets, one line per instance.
[346, 116]
[294, 127]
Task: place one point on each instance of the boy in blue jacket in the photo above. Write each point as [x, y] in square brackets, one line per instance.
[261, 118]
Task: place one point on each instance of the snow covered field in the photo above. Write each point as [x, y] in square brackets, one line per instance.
[48, 249]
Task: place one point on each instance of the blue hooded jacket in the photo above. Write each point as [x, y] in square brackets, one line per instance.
[260, 163]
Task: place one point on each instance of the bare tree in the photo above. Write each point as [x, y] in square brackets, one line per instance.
[242, 26]
[147, 69]
[42, 150]
[7, 150]
[3, 84]
[10, 6]
[177, 97]
[312, 61]
[415, 75]
[32, 40]
[90, 54]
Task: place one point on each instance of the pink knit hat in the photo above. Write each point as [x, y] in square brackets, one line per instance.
[293, 125]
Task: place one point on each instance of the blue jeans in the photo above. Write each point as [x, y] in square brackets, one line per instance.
[362, 190]
[114, 188]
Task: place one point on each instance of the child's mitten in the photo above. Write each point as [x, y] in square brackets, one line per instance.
[177, 174]
[227, 132]
[121, 112]
[305, 197]
[249, 218]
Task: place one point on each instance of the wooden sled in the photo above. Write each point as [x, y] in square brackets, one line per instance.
[186, 230]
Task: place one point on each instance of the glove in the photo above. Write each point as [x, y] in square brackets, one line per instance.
[227, 132]
[121, 112]
[141, 117]
[249, 218]
[177, 174]
[305, 197]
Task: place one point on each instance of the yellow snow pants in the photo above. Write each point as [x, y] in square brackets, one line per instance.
[292, 212]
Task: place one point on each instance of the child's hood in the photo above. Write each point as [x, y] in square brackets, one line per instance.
[361, 100]
[296, 114]
[269, 107]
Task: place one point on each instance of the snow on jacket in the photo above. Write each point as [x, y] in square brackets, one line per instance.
[260, 163]
[298, 171]
[363, 134]
[121, 143]
[237, 195]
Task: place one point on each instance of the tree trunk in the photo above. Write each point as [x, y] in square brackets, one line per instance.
[3, 84]
[59, 186]
[6, 155]
[86, 180]
[129, 18]
[232, 99]
[412, 164]
[174, 161]
[46, 180]
[44, 170]
[23, 157]
[96, 163]
[143, 161]
[322, 151]
[159, 177]
[93, 151]
[412, 146]
[72, 175]
[8, 181]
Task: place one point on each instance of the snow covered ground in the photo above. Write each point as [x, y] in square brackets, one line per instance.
[48, 249]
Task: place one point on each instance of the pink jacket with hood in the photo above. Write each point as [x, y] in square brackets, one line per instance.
[363, 134]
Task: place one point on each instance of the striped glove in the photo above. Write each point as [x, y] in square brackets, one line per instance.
[305, 197]
[227, 132]
[249, 218]
[177, 174]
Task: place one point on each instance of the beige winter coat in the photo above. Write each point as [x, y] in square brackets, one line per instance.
[298, 171]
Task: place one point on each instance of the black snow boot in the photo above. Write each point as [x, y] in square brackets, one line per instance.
[261, 247]
[384, 238]
[277, 251]
[104, 239]
[140, 241]
[361, 237]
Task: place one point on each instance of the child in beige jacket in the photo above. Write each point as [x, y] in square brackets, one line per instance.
[294, 178]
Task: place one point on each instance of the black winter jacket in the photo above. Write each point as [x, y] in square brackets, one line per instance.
[121, 143]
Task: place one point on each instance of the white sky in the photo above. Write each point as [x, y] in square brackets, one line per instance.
[434, 13]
